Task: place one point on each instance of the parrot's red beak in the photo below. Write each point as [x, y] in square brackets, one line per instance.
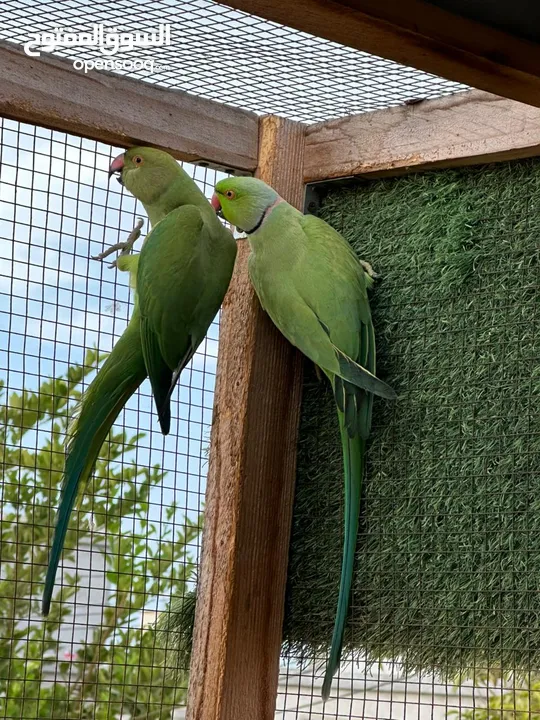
[117, 166]
[215, 203]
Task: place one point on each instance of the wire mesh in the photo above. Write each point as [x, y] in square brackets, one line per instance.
[135, 540]
[232, 57]
[56, 211]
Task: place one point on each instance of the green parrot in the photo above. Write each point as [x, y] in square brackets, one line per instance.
[185, 267]
[314, 288]
[179, 278]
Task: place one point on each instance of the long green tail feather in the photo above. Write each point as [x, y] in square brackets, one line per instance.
[116, 381]
[353, 461]
[363, 378]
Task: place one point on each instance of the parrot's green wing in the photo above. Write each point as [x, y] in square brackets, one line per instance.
[319, 301]
[341, 304]
[305, 329]
[184, 270]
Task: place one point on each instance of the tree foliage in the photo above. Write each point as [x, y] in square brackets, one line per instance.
[117, 670]
[505, 698]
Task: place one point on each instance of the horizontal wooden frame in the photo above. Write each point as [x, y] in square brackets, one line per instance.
[122, 111]
[418, 34]
[462, 129]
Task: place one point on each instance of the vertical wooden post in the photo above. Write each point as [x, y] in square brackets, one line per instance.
[238, 628]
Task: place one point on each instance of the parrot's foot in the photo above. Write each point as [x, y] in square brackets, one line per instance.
[125, 247]
[369, 269]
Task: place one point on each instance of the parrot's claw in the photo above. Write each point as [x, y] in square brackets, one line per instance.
[369, 269]
[125, 248]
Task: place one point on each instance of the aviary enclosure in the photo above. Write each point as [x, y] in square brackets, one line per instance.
[437, 185]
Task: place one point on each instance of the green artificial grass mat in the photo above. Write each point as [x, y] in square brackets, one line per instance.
[448, 560]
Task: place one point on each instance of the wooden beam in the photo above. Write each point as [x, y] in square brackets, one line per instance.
[418, 34]
[463, 129]
[122, 111]
[238, 628]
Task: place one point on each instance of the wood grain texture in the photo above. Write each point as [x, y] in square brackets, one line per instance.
[238, 628]
[418, 34]
[121, 111]
[463, 129]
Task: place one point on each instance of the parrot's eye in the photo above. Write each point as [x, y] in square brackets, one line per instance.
[137, 160]
[230, 194]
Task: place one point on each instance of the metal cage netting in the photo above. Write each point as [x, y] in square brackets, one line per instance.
[235, 58]
[134, 543]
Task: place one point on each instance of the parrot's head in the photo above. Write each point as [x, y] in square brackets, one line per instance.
[146, 172]
[244, 201]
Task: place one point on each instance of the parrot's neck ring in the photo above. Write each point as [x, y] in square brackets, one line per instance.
[264, 216]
